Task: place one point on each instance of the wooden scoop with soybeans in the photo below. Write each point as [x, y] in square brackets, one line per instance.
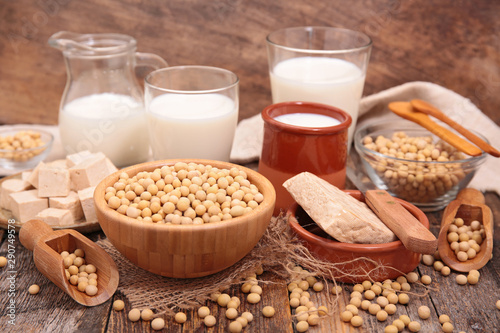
[465, 240]
[406, 110]
[48, 245]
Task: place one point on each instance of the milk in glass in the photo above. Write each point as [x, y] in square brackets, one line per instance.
[192, 126]
[329, 81]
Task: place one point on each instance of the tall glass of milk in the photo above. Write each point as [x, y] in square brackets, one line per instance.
[192, 112]
[303, 136]
[319, 64]
[102, 107]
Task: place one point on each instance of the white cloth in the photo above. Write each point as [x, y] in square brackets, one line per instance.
[248, 140]
[247, 143]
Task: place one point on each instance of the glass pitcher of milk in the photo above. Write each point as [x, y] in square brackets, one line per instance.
[102, 104]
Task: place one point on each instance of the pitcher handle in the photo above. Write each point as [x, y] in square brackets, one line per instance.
[150, 60]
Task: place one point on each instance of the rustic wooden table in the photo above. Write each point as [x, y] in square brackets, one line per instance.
[470, 307]
[452, 43]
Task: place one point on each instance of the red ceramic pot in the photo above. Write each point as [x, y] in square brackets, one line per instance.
[383, 261]
[288, 150]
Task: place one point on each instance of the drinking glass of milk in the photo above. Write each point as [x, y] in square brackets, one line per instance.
[192, 112]
[319, 64]
[102, 106]
[303, 136]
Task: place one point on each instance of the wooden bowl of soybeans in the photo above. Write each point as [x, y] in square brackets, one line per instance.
[184, 218]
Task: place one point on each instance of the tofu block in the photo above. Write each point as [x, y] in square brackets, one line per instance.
[87, 200]
[89, 172]
[33, 178]
[56, 217]
[10, 186]
[58, 164]
[25, 175]
[74, 159]
[70, 202]
[53, 181]
[111, 167]
[27, 204]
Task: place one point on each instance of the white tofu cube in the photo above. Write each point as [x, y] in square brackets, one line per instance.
[56, 217]
[70, 202]
[77, 158]
[111, 167]
[25, 175]
[33, 178]
[53, 181]
[27, 204]
[58, 164]
[8, 187]
[89, 172]
[87, 201]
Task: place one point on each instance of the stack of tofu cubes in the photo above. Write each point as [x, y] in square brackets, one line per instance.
[60, 193]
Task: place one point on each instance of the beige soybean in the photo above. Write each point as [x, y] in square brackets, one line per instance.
[147, 314]
[268, 311]
[424, 312]
[235, 327]
[134, 315]
[34, 289]
[461, 279]
[414, 326]
[209, 321]
[253, 298]
[447, 327]
[118, 305]
[426, 279]
[243, 321]
[346, 316]
[158, 324]
[405, 319]
[180, 317]
[302, 326]
[356, 321]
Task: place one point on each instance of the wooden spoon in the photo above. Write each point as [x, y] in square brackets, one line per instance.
[414, 236]
[47, 244]
[469, 206]
[431, 110]
[405, 110]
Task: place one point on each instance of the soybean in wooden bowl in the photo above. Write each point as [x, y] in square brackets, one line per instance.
[185, 251]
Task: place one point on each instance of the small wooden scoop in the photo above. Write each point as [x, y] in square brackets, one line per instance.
[431, 110]
[47, 244]
[414, 236]
[405, 110]
[469, 206]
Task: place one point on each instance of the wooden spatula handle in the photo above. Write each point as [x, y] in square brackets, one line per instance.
[32, 231]
[409, 230]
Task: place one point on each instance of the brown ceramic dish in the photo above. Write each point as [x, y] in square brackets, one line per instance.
[383, 261]
[185, 251]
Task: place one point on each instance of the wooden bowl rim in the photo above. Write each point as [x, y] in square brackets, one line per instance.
[264, 185]
[356, 248]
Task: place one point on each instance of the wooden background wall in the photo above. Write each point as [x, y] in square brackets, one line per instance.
[454, 43]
